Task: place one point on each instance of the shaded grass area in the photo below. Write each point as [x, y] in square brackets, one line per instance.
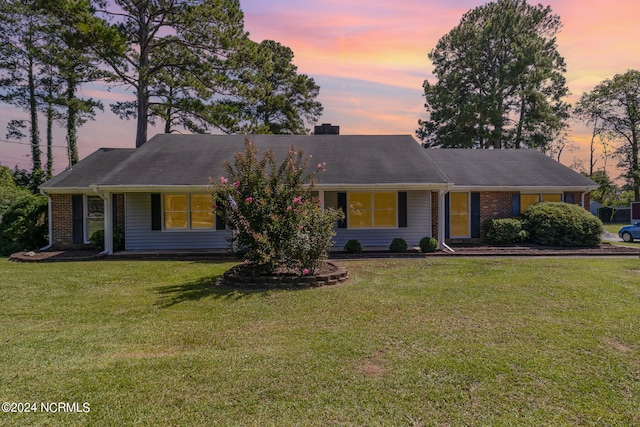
[403, 342]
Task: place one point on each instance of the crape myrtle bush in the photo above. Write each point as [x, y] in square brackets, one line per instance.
[277, 223]
[562, 224]
[503, 231]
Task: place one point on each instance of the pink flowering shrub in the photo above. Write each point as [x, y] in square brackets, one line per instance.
[276, 220]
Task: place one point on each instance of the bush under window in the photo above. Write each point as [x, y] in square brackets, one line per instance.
[503, 231]
[398, 245]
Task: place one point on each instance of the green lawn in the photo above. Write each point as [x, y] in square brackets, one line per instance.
[443, 342]
[613, 228]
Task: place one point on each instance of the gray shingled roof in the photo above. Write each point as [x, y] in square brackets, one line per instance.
[184, 160]
[505, 168]
[173, 160]
[91, 170]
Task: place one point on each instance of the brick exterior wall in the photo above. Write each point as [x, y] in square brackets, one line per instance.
[495, 204]
[62, 220]
[577, 197]
[434, 214]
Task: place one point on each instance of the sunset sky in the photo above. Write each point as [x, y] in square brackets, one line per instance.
[370, 59]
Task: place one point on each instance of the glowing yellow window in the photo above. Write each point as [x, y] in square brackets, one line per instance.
[176, 215]
[201, 215]
[552, 197]
[385, 209]
[527, 200]
[459, 214]
[359, 214]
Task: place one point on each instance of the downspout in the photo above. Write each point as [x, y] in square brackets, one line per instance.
[108, 233]
[582, 200]
[441, 221]
[49, 218]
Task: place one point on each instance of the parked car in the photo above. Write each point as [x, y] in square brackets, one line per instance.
[630, 232]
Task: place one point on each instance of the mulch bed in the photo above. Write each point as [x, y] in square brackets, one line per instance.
[56, 256]
[242, 275]
[605, 249]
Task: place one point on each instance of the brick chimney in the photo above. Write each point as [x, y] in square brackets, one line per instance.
[326, 129]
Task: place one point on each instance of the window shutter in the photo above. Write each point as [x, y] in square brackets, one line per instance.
[77, 209]
[515, 204]
[447, 214]
[342, 204]
[220, 225]
[569, 198]
[114, 211]
[402, 209]
[475, 215]
[156, 212]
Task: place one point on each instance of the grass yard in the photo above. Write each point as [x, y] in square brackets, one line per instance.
[613, 228]
[442, 342]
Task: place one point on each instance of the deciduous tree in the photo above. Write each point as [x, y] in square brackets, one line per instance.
[613, 106]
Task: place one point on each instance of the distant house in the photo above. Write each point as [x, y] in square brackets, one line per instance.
[387, 185]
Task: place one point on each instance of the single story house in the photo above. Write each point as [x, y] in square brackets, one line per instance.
[387, 185]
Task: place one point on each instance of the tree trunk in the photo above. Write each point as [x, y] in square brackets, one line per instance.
[634, 163]
[50, 137]
[168, 112]
[143, 111]
[520, 121]
[592, 162]
[35, 136]
[72, 118]
[143, 76]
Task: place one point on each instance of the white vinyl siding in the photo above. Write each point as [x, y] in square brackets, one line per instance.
[418, 223]
[139, 236]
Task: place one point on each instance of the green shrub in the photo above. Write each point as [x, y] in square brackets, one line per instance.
[118, 240]
[562, 224]
[398, 245]
[428, 245]
[97, 240]
[24, 224]
[503, 231]
[353, 247]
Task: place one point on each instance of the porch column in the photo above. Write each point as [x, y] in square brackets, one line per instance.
[108, 223]
[441, 218]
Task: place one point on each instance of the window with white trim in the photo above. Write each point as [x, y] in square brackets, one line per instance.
[372, 209]
[188, 212]
[93, 216]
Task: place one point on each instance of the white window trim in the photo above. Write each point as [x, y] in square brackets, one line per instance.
[85, 215]
[373, 227]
